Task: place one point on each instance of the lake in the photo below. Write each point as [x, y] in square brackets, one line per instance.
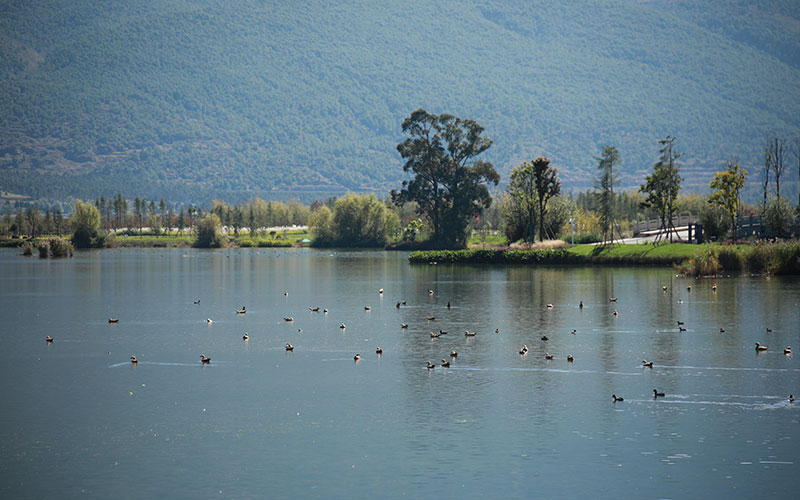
[78, 419]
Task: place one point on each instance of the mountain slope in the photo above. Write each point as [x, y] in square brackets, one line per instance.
[196, 99]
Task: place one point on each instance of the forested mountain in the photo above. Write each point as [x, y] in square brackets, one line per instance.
[194, 99]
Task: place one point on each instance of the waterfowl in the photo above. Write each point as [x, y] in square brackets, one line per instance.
[299, 330]
[570, 358]
[769, 330]
[714, 288]
[134, 360]
[791, 398]
[313, 309]
[549, 306]
[612, 299]
[453, 354]
[48, 339]
[431, 318]
[289, 347]
[681, 329]
[615, 313]
[581, 305]
[325, 311]
[397, 305]
[378, 351]
[208, 320]
[380, 291]
[574, 332]
[342, 326]
[430, 292]
[242, 311]
[430, 366]
[469, 334]
[657, 394]
[547, 355]
[113, 320]
[245, 337]
[197, 301]
[760, 347]
[285, 294]
[496, 330]
[680, 322]
[204, 360]
[445, 364]
[403, 302]
[442, 332]
[403, 325]
[648, 364]
[435, 335]
[367, 308]
[288, 318]
[357, 357]
[545, 338]
[721, 330]
[523, 349]
[448, 304]
[616, 398]
[664, 288]
[689, 288]
[788, 350]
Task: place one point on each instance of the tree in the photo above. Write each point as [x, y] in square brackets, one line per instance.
[32, 220]
[448, 184]
[85, 223]
[520, 207]
[207, 231]
[604, 183]
[181, 221]
[547, 186]
[726, 186]
[357, 220]
[663, 185]
[779, 216]
[775, 155]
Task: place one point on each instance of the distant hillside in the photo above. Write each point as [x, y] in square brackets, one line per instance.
[189, 100]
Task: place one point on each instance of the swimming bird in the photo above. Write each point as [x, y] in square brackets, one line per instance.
[313, 309]
[442, 332]
[664, 288]
[242, 311]
[430, 366]
[616, 398]
[397, 305]
[760, 347]
[769, 329]
[547, 355]
[367, 308]
[549, 306]
[289, 347]
[380, 291]
[113, 320]
[574, 332]
[581, 305]
[342, 326]
[570, 358]
[681, 329]
[299, 330]
[496, 330]
[448, 304]
[325, 311]
[791, 398]
[545, 338]
[689, 288]
[612, 299]
[204, 360]
[357, 357]
[134, 360]
[209, 321]
[657, 394]
[615, 313]
[430, 292]
[721, 330]
[445, 364]
[524, 349]
[288, 318]
[378, 351]
[469, 334]
[680, 323]
[48, 339]
[453, 354]
[403, 302]
[404, 325]
[648, 364]
[197, 301]
[435, 335]
[788, 350]
[431, 318]
[245, 337]
[285, 294]
[714, 288]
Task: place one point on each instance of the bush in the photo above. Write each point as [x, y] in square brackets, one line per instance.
[787, 258]
[759, 257]
[779, 216]
[207, 232]
[705, 263]
[731, 259]
[44, 249]
[716, 222]
[59, 247]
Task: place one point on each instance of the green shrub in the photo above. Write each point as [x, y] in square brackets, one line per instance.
[731, 259]
[59, 247]
[787, 258]
[759, 257]
[704, 263]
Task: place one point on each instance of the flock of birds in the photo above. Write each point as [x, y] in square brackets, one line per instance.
[523, 351]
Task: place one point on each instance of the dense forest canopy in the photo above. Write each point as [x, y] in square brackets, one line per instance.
[194, 100]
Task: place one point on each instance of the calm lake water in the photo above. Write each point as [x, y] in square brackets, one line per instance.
[79, 420]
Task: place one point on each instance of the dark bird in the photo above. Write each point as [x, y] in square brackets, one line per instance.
[397, 305]
[288, 318]
[545, 338]
[342, 326]
[325, 311]
[581, 305]
[612, 299]
[760, 347]
[367, 308]
[197, 301]
[657, 394]
[242, 311]
[570, 358]
[453, 354]
[442, 332]
[769, 329]
[357, 357]
[615, 396]
[404, 325]
[48, 339]
[469, 334]
[523, 350]
[204, 360]
[547, 355]
[431, 366]
[378, 351]
[134, 360]
[403, 302]
[574, 332]
[721, 330]
[681, 329]
[648, 364]
[791, 398]
[445, 364]
[289, 347]
[113, 320]
[448, 305]
[788, 350]
[245, 337]
[680, 322]
[313, 309]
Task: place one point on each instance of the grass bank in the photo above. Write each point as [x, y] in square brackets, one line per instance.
[706, 259]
